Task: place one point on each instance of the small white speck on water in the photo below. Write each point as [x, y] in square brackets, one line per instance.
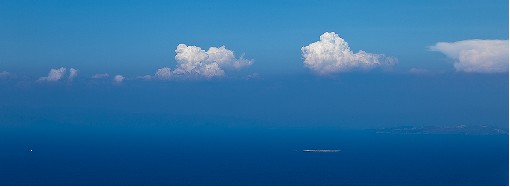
[30, 150]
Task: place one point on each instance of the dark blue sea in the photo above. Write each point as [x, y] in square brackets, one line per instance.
[143, 153]
[254, 133]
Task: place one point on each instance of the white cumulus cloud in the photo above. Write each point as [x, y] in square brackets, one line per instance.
[482, 56]
[332, 54]
[54, 75]
[72, 74]
[225, 58]
[118, 78]
[193, 61]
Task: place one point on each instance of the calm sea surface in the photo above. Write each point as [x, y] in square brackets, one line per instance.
[231, 155]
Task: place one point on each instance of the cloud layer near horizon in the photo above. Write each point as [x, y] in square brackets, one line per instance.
[332, 54]
[481, 56]
[193, 61]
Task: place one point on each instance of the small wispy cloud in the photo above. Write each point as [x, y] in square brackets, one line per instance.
[101, 76]
[253, 76]
[73, 73]
[420, 71]
[332, 54]
[163, 73]
[480, 56]
[118, 78]
[144, 77]
[5, 74]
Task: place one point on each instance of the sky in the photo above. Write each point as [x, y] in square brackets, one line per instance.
[327, 60]
[137, 37]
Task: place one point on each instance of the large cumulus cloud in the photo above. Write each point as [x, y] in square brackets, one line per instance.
[193, 61]
[482, 56]
[332, 54]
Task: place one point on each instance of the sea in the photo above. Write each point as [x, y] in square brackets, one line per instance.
[254, 132]
[143, 153]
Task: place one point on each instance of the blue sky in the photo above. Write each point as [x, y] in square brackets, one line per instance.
[137, 37]
[425, 62]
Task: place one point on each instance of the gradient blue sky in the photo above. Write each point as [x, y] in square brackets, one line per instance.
[137, 37]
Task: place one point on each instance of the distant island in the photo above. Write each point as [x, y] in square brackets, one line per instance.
[321, 150]
[456, 129]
